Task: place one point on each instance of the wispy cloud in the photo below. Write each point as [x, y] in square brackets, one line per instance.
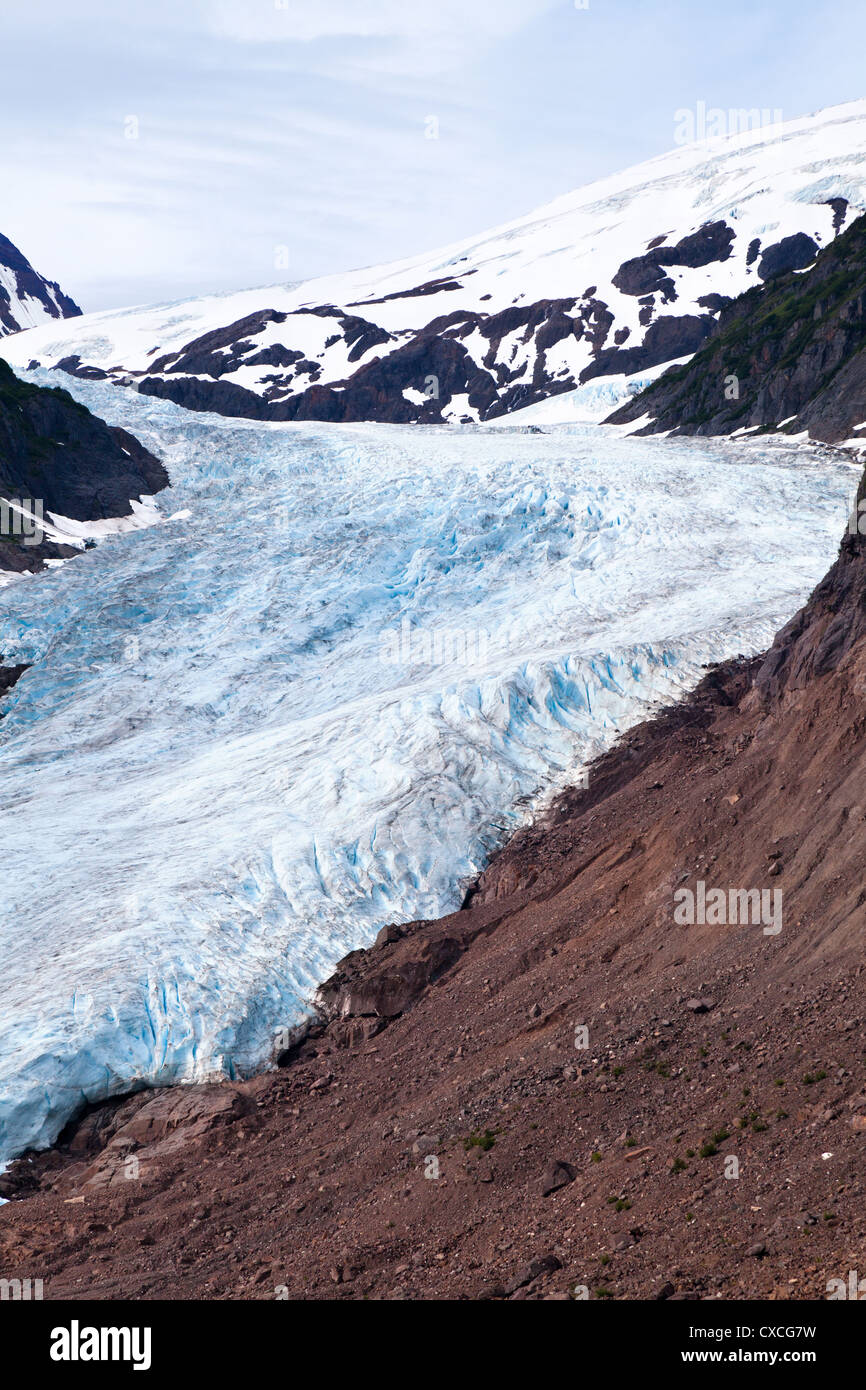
[160, 149]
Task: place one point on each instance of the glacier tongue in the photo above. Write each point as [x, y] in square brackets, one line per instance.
[318, 698]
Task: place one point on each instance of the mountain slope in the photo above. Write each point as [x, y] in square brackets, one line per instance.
[447, 1132]
[618, 277]
[27, 299]
[58, 461]
[790, 353]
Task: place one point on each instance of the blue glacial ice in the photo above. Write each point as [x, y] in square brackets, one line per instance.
[317, 702]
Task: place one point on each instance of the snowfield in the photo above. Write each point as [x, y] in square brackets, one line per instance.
[317, 699]
[28, 310]
[504, 318]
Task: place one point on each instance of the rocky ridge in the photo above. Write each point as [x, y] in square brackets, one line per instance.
[27, 299]
[617, 278]
[789, 355]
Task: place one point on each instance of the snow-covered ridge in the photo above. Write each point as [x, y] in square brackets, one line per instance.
[618, 277]
[27, 299]
[315, 700]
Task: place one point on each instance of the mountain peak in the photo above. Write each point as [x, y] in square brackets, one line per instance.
[615, 280]
[27, 299]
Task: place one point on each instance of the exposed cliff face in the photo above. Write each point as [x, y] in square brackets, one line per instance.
[823, 637]
[447, 1129]
[27, 299]
[790, 353]
[55, 454]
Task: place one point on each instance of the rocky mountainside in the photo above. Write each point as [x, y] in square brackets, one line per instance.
[59, 460]
[617, 278]
[27, 299]
[569, 1088]
[789, 354]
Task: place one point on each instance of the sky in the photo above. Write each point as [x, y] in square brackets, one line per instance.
[161, 149]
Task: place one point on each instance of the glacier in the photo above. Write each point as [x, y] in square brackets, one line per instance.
[340, 669]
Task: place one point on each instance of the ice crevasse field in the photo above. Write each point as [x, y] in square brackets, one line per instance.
[345, 664]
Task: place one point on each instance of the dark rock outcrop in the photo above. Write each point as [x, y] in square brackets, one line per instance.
[791, 352]
[646, 274]
[9, 675]
[669, 336]
[791, 253]
[56, 454]
[28, 285]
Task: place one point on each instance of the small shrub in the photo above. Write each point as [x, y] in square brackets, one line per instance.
[478, 1140]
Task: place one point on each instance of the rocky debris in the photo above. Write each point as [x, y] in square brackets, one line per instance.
[425, 1144]
[120, 1141]
[557, 1175]
[527, 1273]
[384, 981]
[621, 1242]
